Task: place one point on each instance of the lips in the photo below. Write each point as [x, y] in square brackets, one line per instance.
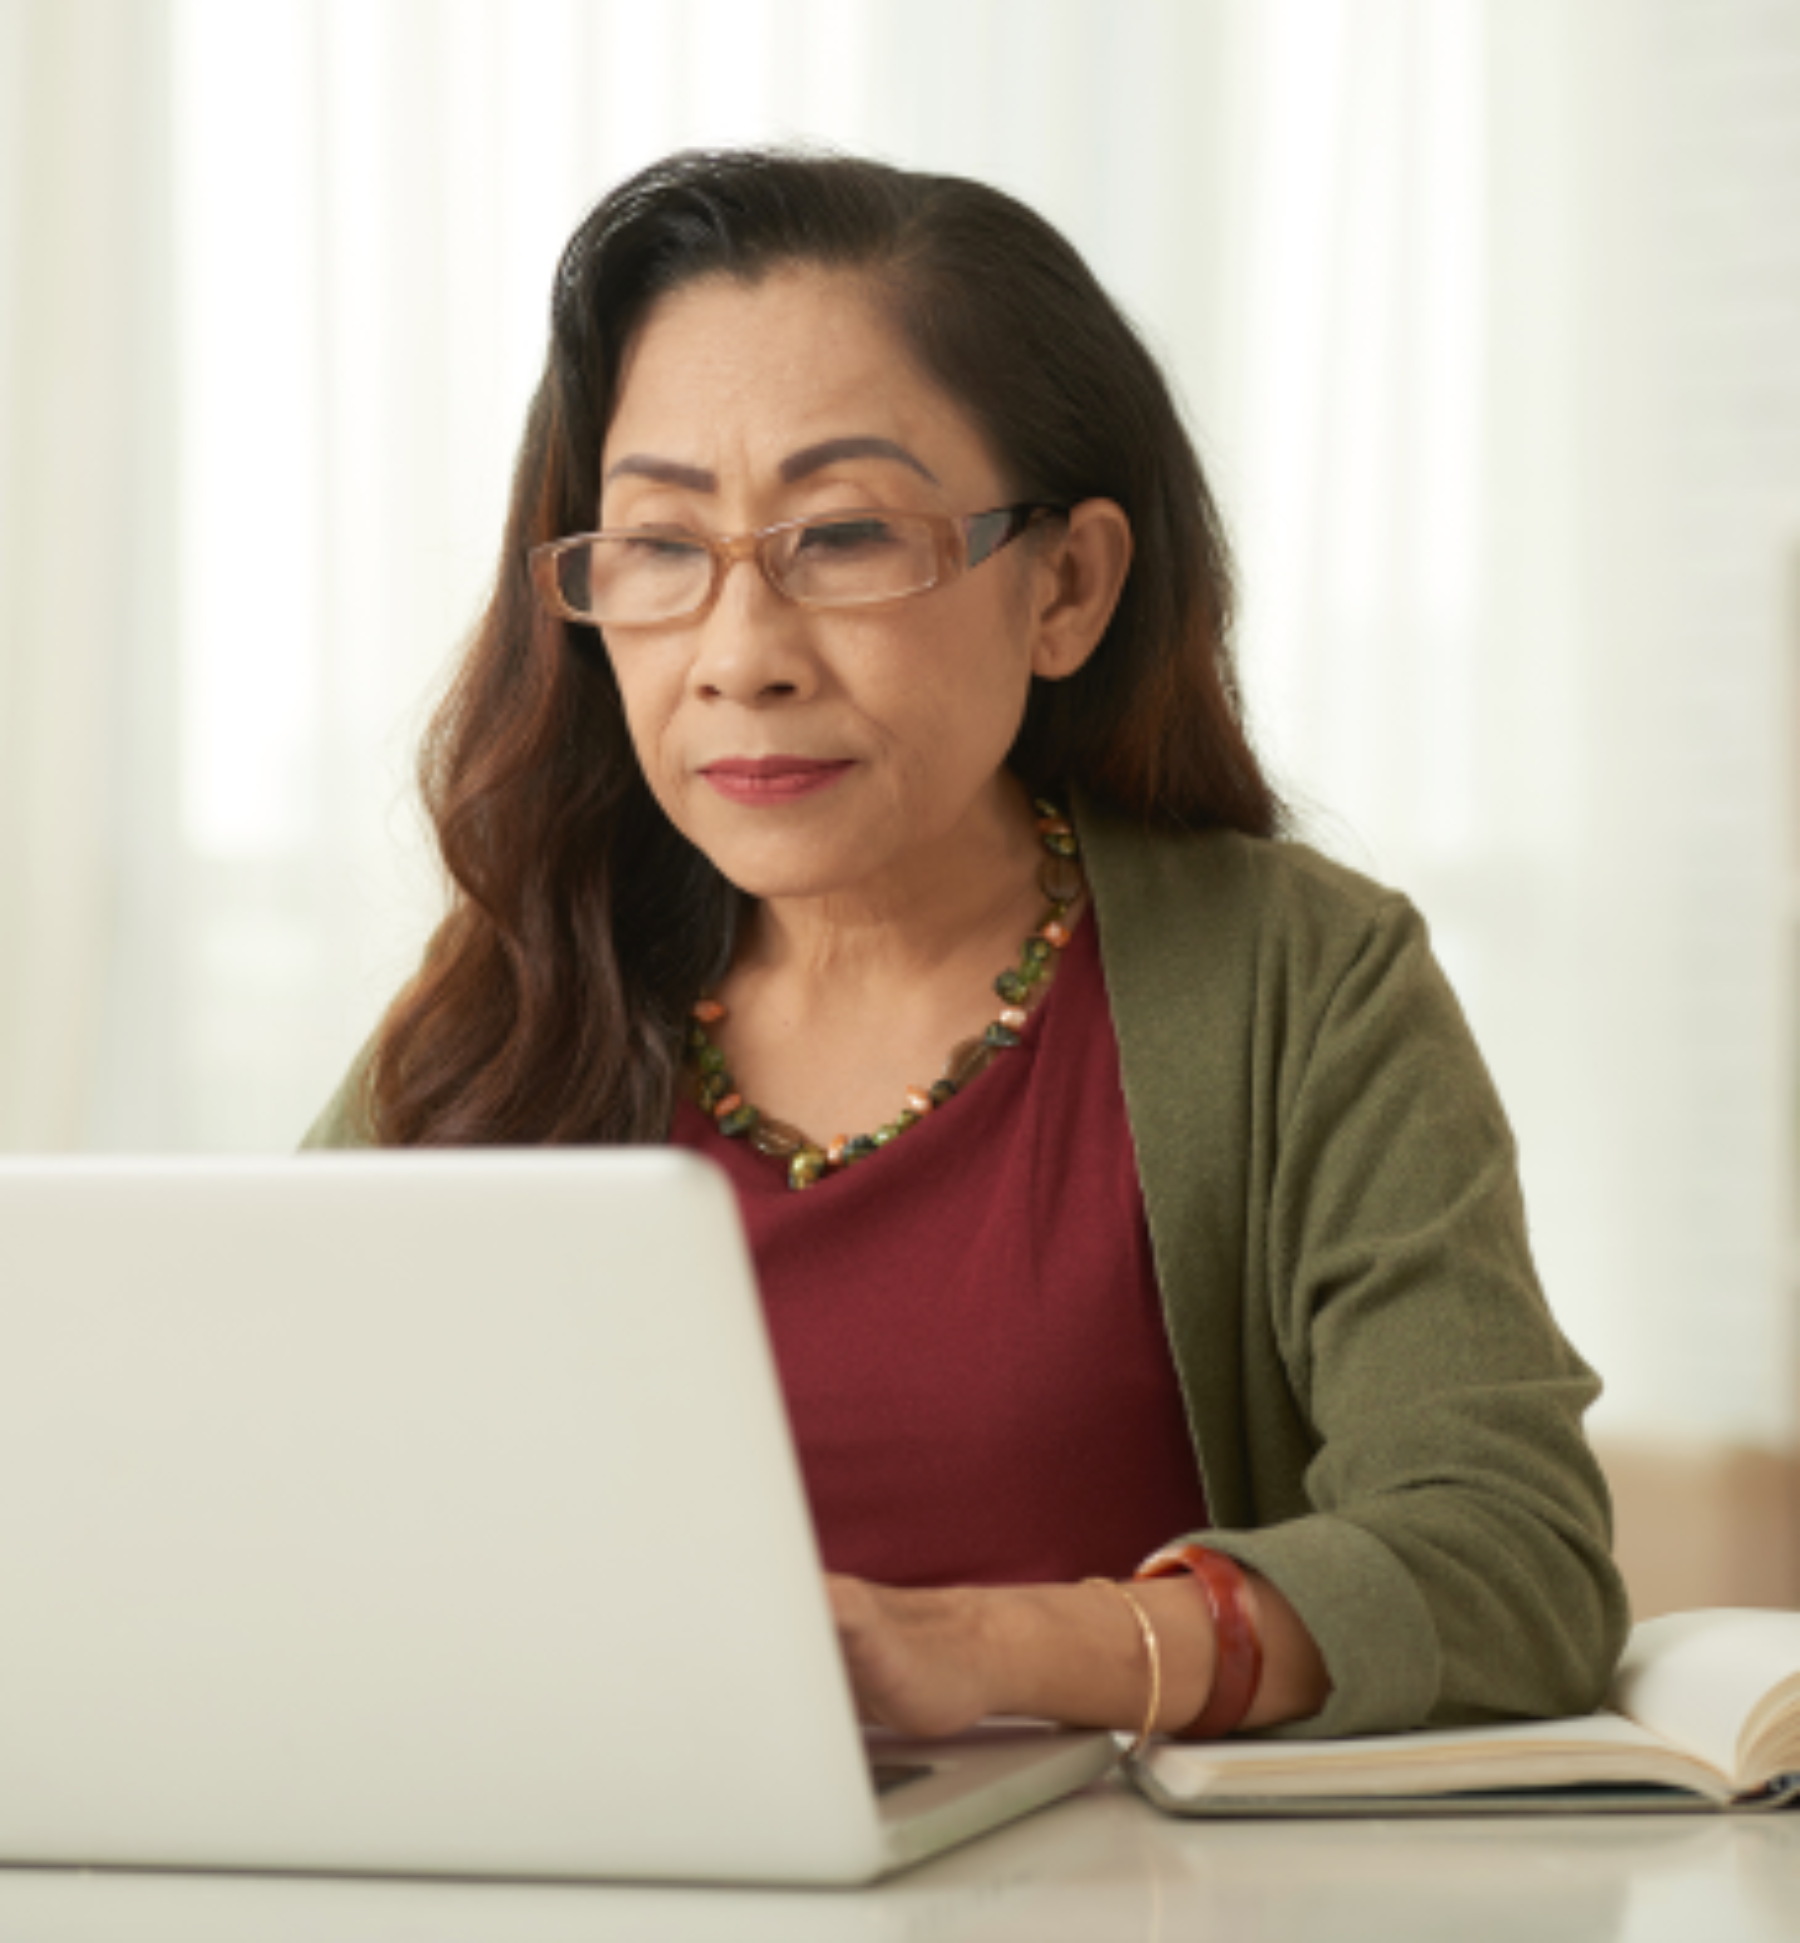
[772, 779]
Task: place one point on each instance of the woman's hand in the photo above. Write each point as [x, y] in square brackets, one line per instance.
[919, 1662]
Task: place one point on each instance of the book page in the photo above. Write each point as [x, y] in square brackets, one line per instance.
[1699, 1680]
[1594, 1748]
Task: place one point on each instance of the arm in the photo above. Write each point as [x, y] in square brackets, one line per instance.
[934, 1662]
[1451, 1549]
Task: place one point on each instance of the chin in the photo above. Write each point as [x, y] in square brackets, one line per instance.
[788, 864]
[777, 852]
[764, 880]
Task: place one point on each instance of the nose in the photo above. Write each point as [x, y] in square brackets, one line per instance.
[752, 647]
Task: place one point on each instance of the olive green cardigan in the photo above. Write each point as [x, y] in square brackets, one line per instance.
[1388, 1421]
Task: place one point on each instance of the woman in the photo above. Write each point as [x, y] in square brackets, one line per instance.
[861, 633]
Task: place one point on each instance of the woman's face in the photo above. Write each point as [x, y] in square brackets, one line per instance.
[741, 405]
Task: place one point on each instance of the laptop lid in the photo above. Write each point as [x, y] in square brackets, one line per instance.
[408, 1512]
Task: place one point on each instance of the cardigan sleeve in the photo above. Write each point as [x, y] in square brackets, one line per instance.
[1452, 1558]
[343, 1123]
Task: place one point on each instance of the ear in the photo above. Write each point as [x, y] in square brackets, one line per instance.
[1081, 573]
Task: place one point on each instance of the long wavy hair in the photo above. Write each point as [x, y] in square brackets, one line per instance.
[550, 1002]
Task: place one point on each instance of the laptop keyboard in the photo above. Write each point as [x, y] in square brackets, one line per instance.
[889, 1775]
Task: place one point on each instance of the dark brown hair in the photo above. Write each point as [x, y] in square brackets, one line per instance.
[549, 1004]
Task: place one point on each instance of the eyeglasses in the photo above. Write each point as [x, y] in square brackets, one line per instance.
[642, 576]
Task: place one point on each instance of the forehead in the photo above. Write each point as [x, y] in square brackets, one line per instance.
[724, 373]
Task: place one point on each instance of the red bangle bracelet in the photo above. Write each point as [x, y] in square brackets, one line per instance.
[1238, 1656]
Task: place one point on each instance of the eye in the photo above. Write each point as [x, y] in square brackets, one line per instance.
[651, 549]
[847, 536]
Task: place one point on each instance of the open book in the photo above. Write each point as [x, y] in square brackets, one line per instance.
[1704, 1713]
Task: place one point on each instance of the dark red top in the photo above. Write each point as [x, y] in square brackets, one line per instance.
[968, 1325]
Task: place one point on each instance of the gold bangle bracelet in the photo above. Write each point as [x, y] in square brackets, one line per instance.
[1152, 1652]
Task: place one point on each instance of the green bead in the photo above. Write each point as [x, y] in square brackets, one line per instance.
[859, 1146]
[1013, 986]
[711, 1059]
[1061, 845]
[713, 1089]
[1044, 806]
[942, 1091]
[882, 1135]
[1036, 952]
[806, 1167]
[1001, 1037]
[739, 1121]
[697, 1040]
[905, 1118]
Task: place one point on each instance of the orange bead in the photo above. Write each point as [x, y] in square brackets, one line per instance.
[834, 1154]
[729, 1104]
[1056, 826]
[1055, 934]
[918, 1099]
[1014, 1017]
[708, 1011]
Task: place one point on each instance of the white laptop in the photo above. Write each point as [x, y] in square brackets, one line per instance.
[428, 1514]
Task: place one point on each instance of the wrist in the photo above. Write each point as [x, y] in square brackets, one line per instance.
[988, 1634]
[1189, 1649]
[1074, 1653]
[1013, 1641]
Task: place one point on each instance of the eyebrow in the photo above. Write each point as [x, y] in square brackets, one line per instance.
[641, 465]
[797, 465]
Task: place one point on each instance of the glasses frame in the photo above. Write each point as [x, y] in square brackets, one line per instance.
[963, 542]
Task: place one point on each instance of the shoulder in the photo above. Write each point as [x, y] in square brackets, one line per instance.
[1246, 976]
[1251, 912]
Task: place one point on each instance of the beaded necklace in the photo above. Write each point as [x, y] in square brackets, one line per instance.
[1020, 987]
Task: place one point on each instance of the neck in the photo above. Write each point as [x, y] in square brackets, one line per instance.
[933, 904]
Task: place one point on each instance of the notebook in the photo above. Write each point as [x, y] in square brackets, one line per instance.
[428, 1514]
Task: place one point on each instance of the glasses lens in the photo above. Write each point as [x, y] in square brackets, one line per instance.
[634, 579]
[845, 561]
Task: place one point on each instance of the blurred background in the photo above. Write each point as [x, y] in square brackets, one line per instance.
[1486, 314]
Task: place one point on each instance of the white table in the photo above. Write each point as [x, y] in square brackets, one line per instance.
[1103, 1868]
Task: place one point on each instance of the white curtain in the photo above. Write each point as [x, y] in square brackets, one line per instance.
[86, 589]
[1484, 315]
